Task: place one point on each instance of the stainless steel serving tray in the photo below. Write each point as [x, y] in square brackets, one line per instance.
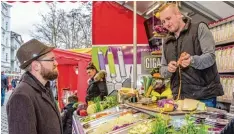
[101, 120]
[94, 126]
[115, 109]
[126, 129]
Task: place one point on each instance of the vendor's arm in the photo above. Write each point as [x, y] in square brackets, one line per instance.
[207, 59]
[164, 67]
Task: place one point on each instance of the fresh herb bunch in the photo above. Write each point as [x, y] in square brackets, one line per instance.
[160, 125]
[97, 103]
[110, 101]
[192, 128]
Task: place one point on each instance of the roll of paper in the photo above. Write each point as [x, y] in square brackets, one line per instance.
[101, 60]
[111, 63]
[121, 63]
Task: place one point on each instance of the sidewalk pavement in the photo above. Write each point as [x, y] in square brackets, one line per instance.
[4, 123]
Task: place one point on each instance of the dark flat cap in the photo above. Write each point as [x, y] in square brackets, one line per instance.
[31, 51]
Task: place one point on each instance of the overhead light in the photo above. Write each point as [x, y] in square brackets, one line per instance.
[154, 8]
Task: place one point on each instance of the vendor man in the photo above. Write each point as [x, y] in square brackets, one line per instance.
[199, 75]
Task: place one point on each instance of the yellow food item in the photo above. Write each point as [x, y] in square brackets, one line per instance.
[154, 98]
[154, 93]
[91, 109]
[180, 104]
[167, 92]
[90, 103]
[190, 104]
[149, 91]
[168, 107]
[201, 106]
[125, 90]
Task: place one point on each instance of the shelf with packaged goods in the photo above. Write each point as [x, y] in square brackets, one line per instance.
[225, 43]
[224, 100]
[222, 22]
[227, 72]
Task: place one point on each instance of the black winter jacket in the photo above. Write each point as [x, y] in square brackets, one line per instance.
[229, 129]
[95, 89]
[67, 113]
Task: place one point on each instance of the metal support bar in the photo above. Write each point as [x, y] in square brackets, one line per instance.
[200, 11]
[230, 3]
[150, 7]
[134, 45]
[206, 9]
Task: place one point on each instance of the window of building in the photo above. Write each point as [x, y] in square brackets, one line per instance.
[6, 41]
[6, 25]
[2, 20]
[3, 34]
[3, 50]
[6, 56]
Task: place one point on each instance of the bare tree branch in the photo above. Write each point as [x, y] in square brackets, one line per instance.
[61, 29]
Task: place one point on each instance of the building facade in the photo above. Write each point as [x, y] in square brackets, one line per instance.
[5, 37]
[10, 42]
[16, 41]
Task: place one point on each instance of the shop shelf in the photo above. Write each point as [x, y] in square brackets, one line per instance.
[221, 22]
[224, 100]
[226, 42]
[225, 72]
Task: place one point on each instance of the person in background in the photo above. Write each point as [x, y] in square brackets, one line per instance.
[53, 87]
[67, 113]
[13, 83]
[4, 87]
[229, 128]
[97, 84]
[191, 44]
[31, 108]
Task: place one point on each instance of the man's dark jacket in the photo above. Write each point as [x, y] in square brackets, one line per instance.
[31, 109]
[196, 84]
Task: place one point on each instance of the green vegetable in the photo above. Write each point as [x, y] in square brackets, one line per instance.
[148, 83]
[192, 128]
[160, 125]
[98, 104]
[144, 82]
[110, 101]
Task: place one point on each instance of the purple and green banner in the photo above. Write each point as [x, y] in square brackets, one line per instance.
[117, 61]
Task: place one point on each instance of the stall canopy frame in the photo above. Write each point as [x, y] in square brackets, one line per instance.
[67, 63]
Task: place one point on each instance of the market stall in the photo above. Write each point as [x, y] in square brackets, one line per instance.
[146, 104]
[72, 77]
[131, 119]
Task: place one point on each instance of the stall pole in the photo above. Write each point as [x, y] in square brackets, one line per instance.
[134, 45]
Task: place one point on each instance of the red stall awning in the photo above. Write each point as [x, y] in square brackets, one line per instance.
[113, 24]
[67, 63]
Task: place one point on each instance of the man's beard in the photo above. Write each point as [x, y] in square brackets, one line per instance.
[49, 75]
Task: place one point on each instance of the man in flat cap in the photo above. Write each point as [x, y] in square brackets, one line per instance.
[31, 108]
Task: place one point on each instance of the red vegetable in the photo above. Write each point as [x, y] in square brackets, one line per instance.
[83, 113]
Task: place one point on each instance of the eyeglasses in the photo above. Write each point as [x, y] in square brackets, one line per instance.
[47, 60]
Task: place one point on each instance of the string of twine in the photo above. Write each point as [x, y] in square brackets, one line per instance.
[180, 83]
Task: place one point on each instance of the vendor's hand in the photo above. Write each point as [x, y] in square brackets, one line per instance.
[186, 60]
[172, 66]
